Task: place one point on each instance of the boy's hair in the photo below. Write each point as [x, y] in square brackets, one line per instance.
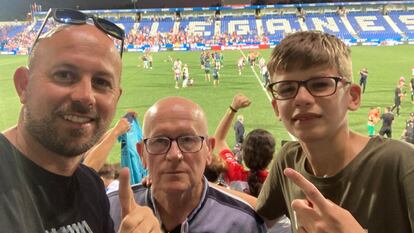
[305, 50]
[257, 150]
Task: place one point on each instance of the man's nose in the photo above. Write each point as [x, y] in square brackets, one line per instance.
[174, 153]
[83, 92]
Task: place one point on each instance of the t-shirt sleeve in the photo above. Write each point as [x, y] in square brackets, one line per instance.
[407, 178]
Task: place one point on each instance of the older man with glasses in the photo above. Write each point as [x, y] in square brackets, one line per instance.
[176, 150]
[69, 94]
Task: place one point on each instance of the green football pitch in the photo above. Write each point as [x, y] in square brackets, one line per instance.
[142, 87]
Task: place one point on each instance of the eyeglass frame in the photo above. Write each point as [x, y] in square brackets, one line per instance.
[304, 83]
[171, 141]
[95, 22]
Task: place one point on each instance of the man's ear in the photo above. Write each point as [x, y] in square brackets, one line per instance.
[211, 145]
[21, 81]
[140, 151]
[355, 97]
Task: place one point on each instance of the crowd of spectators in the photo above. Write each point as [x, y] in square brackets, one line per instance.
[21, 41]
[141, 36]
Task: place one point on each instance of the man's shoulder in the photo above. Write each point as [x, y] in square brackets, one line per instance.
[390, 147]
[220, 206]
[9, 169]
[232, 203]
[290, 147]
[87, 174]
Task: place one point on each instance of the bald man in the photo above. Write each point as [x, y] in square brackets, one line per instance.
[176, 150]
[69, 95]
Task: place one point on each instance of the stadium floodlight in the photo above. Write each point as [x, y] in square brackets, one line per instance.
[70, 16]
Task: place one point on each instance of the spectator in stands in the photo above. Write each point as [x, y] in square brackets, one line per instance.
[363, 76]
[301, 14]
[408, 133]
[341, 11]
[176, 150]
[311, 84]
[69, 94]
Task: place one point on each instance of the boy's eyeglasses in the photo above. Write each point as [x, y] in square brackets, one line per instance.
[69, 16]
[161, 145]
[317, 87]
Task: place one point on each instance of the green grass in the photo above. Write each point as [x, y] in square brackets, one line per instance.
[143, 87]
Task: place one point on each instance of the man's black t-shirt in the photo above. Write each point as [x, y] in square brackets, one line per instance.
[34, 200]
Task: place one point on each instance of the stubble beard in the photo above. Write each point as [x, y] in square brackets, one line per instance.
[45, 132]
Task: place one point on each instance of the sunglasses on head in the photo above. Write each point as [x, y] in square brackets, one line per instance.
[69, 16]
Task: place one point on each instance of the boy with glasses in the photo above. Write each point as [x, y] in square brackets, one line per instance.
[69, 93]
[332, 179]
[176, 150]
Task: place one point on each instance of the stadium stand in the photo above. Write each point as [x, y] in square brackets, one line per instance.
[369, 23]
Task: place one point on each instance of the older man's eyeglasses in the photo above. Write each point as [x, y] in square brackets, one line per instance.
[69, 16]
[317, 87]
[161, 145]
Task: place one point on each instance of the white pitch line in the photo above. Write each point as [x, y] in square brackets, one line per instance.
[265, 91]
[257, 77]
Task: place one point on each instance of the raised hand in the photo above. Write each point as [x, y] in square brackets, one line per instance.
[240, 101]
[316, 214]
[121, 127]
[135, 218]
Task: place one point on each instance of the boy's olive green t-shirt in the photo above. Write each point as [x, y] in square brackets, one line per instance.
[377, 187]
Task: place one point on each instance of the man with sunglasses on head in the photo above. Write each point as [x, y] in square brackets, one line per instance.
[69, 93]
[332, 179]
[176, 150]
